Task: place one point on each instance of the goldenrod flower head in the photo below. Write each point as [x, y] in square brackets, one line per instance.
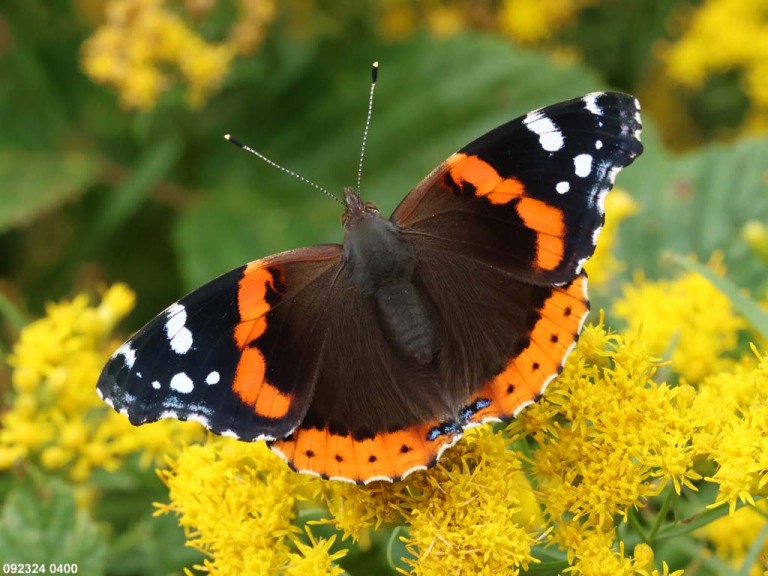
[237, 503]
[755, 234]
[686, 319]
[315, 558]
[144, 47]
[531, 21]
[740, 445]
[465, 516]
[713, 42]
[56, 416]
[607, 431]
[733, 535]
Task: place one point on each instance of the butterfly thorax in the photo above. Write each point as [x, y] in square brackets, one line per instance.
[381, 266]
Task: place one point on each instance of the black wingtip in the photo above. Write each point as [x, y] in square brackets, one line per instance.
[375, 72]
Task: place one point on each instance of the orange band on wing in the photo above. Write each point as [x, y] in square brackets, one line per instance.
[485, 179]
[387, 455]
[547, 221]
[250, 383]
[551, 339]
[252, 290]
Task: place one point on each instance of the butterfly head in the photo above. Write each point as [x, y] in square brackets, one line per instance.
[357, 210]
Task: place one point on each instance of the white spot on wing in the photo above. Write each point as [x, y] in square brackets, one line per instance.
[182, 383]
[156, 385]
[200, 419]
[598, 144]
[583, 165]
[562, 187]
[590, 102]
[177, 317]
[550, 137]
[179, 336]
[213, 378]
[128, 353]
[181, 342]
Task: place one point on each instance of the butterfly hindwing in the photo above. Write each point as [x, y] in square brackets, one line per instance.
[229, 354]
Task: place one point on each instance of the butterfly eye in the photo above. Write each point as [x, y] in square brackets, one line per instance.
[371, 207]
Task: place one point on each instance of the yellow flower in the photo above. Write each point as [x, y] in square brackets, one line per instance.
[755, 234]
[719, 36]
[531, 21]
[606, 433]
[236, 502]
[733, 535]
[143, 48]
[740, 446]
[315, 558]
[250, 29]
[686, 319]
[56, 416]
[464, 517]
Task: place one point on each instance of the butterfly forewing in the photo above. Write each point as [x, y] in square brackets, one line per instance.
[528, 197]
[230, 353]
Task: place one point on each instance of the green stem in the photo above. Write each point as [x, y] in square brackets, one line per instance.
[660, 517]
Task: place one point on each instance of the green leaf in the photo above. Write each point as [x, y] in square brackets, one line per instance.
[153, 165]
[751, 558]
[432, 98]
[742, 303]
[698, 204]
[41, 524]
[35, 183]
[156, 542]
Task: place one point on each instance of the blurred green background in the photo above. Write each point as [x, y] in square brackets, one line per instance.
[112, 112]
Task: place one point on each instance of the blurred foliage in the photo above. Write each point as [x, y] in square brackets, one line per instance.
[96, 188]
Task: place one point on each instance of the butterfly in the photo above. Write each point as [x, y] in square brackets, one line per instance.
[366, 360]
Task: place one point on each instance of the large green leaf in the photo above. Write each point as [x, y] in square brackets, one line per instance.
[33, 183]
[699, 204]
[432, 98]
[41, 524]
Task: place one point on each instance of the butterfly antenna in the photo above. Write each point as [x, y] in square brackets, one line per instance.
[374, 77]
[239, 144]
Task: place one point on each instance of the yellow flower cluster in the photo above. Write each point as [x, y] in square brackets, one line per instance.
[144, 46]
[687, 320]
[755, 234]
[720, 36]
[606, 433]
[238, 503]
[526, 21]
[532, 21]
[735, 410]
[731, 536]
[56, 416]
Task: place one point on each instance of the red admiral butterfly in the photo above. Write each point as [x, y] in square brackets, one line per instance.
[364, 361]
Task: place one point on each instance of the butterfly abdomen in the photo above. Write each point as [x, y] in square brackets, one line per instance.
[381, 266]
